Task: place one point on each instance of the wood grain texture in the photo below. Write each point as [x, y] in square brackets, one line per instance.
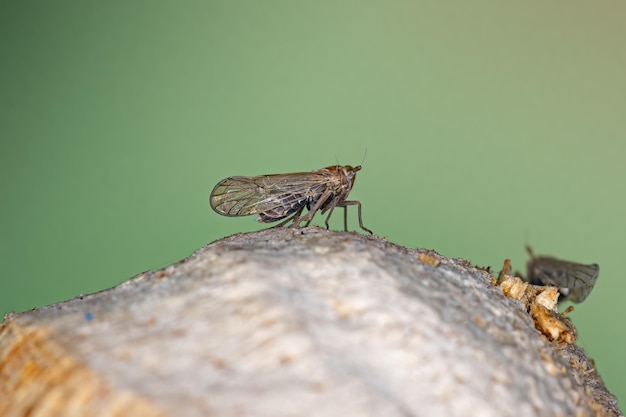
[286, 322]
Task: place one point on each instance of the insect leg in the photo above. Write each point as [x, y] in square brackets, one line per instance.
[330, 212]
[345, 216]
[309, 216]
[309, 222]
[358, 204]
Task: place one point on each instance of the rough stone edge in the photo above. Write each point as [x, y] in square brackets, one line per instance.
[32, 341]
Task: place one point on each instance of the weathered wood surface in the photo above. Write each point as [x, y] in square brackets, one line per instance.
[292, 322]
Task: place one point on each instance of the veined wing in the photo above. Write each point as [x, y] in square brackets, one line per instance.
[279, 194]
[575, 281]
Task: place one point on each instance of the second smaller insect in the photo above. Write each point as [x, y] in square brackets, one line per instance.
[284, 196]
[575, 281]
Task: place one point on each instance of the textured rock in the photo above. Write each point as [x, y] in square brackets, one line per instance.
[288, 322]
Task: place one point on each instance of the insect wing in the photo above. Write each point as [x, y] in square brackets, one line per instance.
[275, 196]
[575, 281]
[584, 277]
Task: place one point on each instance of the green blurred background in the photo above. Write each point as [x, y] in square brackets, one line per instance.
[487, 125]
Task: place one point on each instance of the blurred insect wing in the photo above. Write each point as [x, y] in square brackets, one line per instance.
[575, 281]
[582, 280]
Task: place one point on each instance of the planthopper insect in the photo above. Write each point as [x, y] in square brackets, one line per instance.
[575, 281]
[284, 196]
